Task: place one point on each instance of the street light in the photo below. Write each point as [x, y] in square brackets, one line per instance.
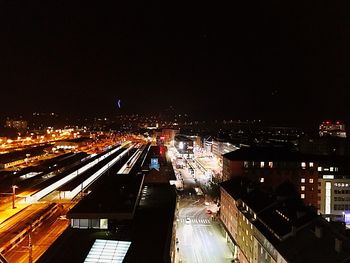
[14, 195]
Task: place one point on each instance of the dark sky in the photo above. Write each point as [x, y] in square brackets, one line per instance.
[271, 60]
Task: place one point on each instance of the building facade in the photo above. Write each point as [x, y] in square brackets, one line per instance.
[273, 229]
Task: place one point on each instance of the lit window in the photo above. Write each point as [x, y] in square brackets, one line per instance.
[104, 223]
[303, 165]
[311, 180]
[302, 196]
[319, 169]
[328, 198]
[331, 169]
[303, 180]
[303, 188]
[270, 164]
[311, 164]
[262, 164]
[262, 180]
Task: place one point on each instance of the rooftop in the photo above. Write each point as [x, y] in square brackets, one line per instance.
[113, 197]
[22, 154]
[236, 187]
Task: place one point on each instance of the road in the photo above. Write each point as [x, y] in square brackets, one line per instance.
[201, 240]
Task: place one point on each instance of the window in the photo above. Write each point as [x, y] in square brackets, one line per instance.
[311, 180]
[319, 169]
[303, 165]
[103, 223]
[270, 164]
[302, 180]
[262, 180]
[302, 188]
[311, 164]
[328, 198]
[95, 223]
[302, 196]
[331, 169]
[262, 164]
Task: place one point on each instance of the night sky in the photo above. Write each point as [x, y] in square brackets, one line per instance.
[268, 60]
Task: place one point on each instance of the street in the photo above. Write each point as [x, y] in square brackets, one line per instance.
[201, 240]
[199, 237]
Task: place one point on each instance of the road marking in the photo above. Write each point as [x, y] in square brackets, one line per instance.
[196, 221]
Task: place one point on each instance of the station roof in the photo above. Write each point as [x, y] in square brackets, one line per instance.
[22, 154]
[72, 184]
[114, 197]
[149, 232]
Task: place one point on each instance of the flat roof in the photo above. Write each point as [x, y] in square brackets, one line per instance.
[165, 172]
[149, 231]
[22, 154]
[236, 187]
[44, 183]
[112, 197]
[153, 224]
[72, 184]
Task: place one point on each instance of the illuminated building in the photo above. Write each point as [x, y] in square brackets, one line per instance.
[337, 129]
[267, 228]
[16, 124]
[272, 166]
[334, 196]
[183, 145]
[168, 135]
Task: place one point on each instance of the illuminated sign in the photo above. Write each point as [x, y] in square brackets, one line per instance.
[328, 177]
[347, 217]
[154, 164]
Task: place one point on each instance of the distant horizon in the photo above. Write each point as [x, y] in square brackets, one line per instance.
[265, 122]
